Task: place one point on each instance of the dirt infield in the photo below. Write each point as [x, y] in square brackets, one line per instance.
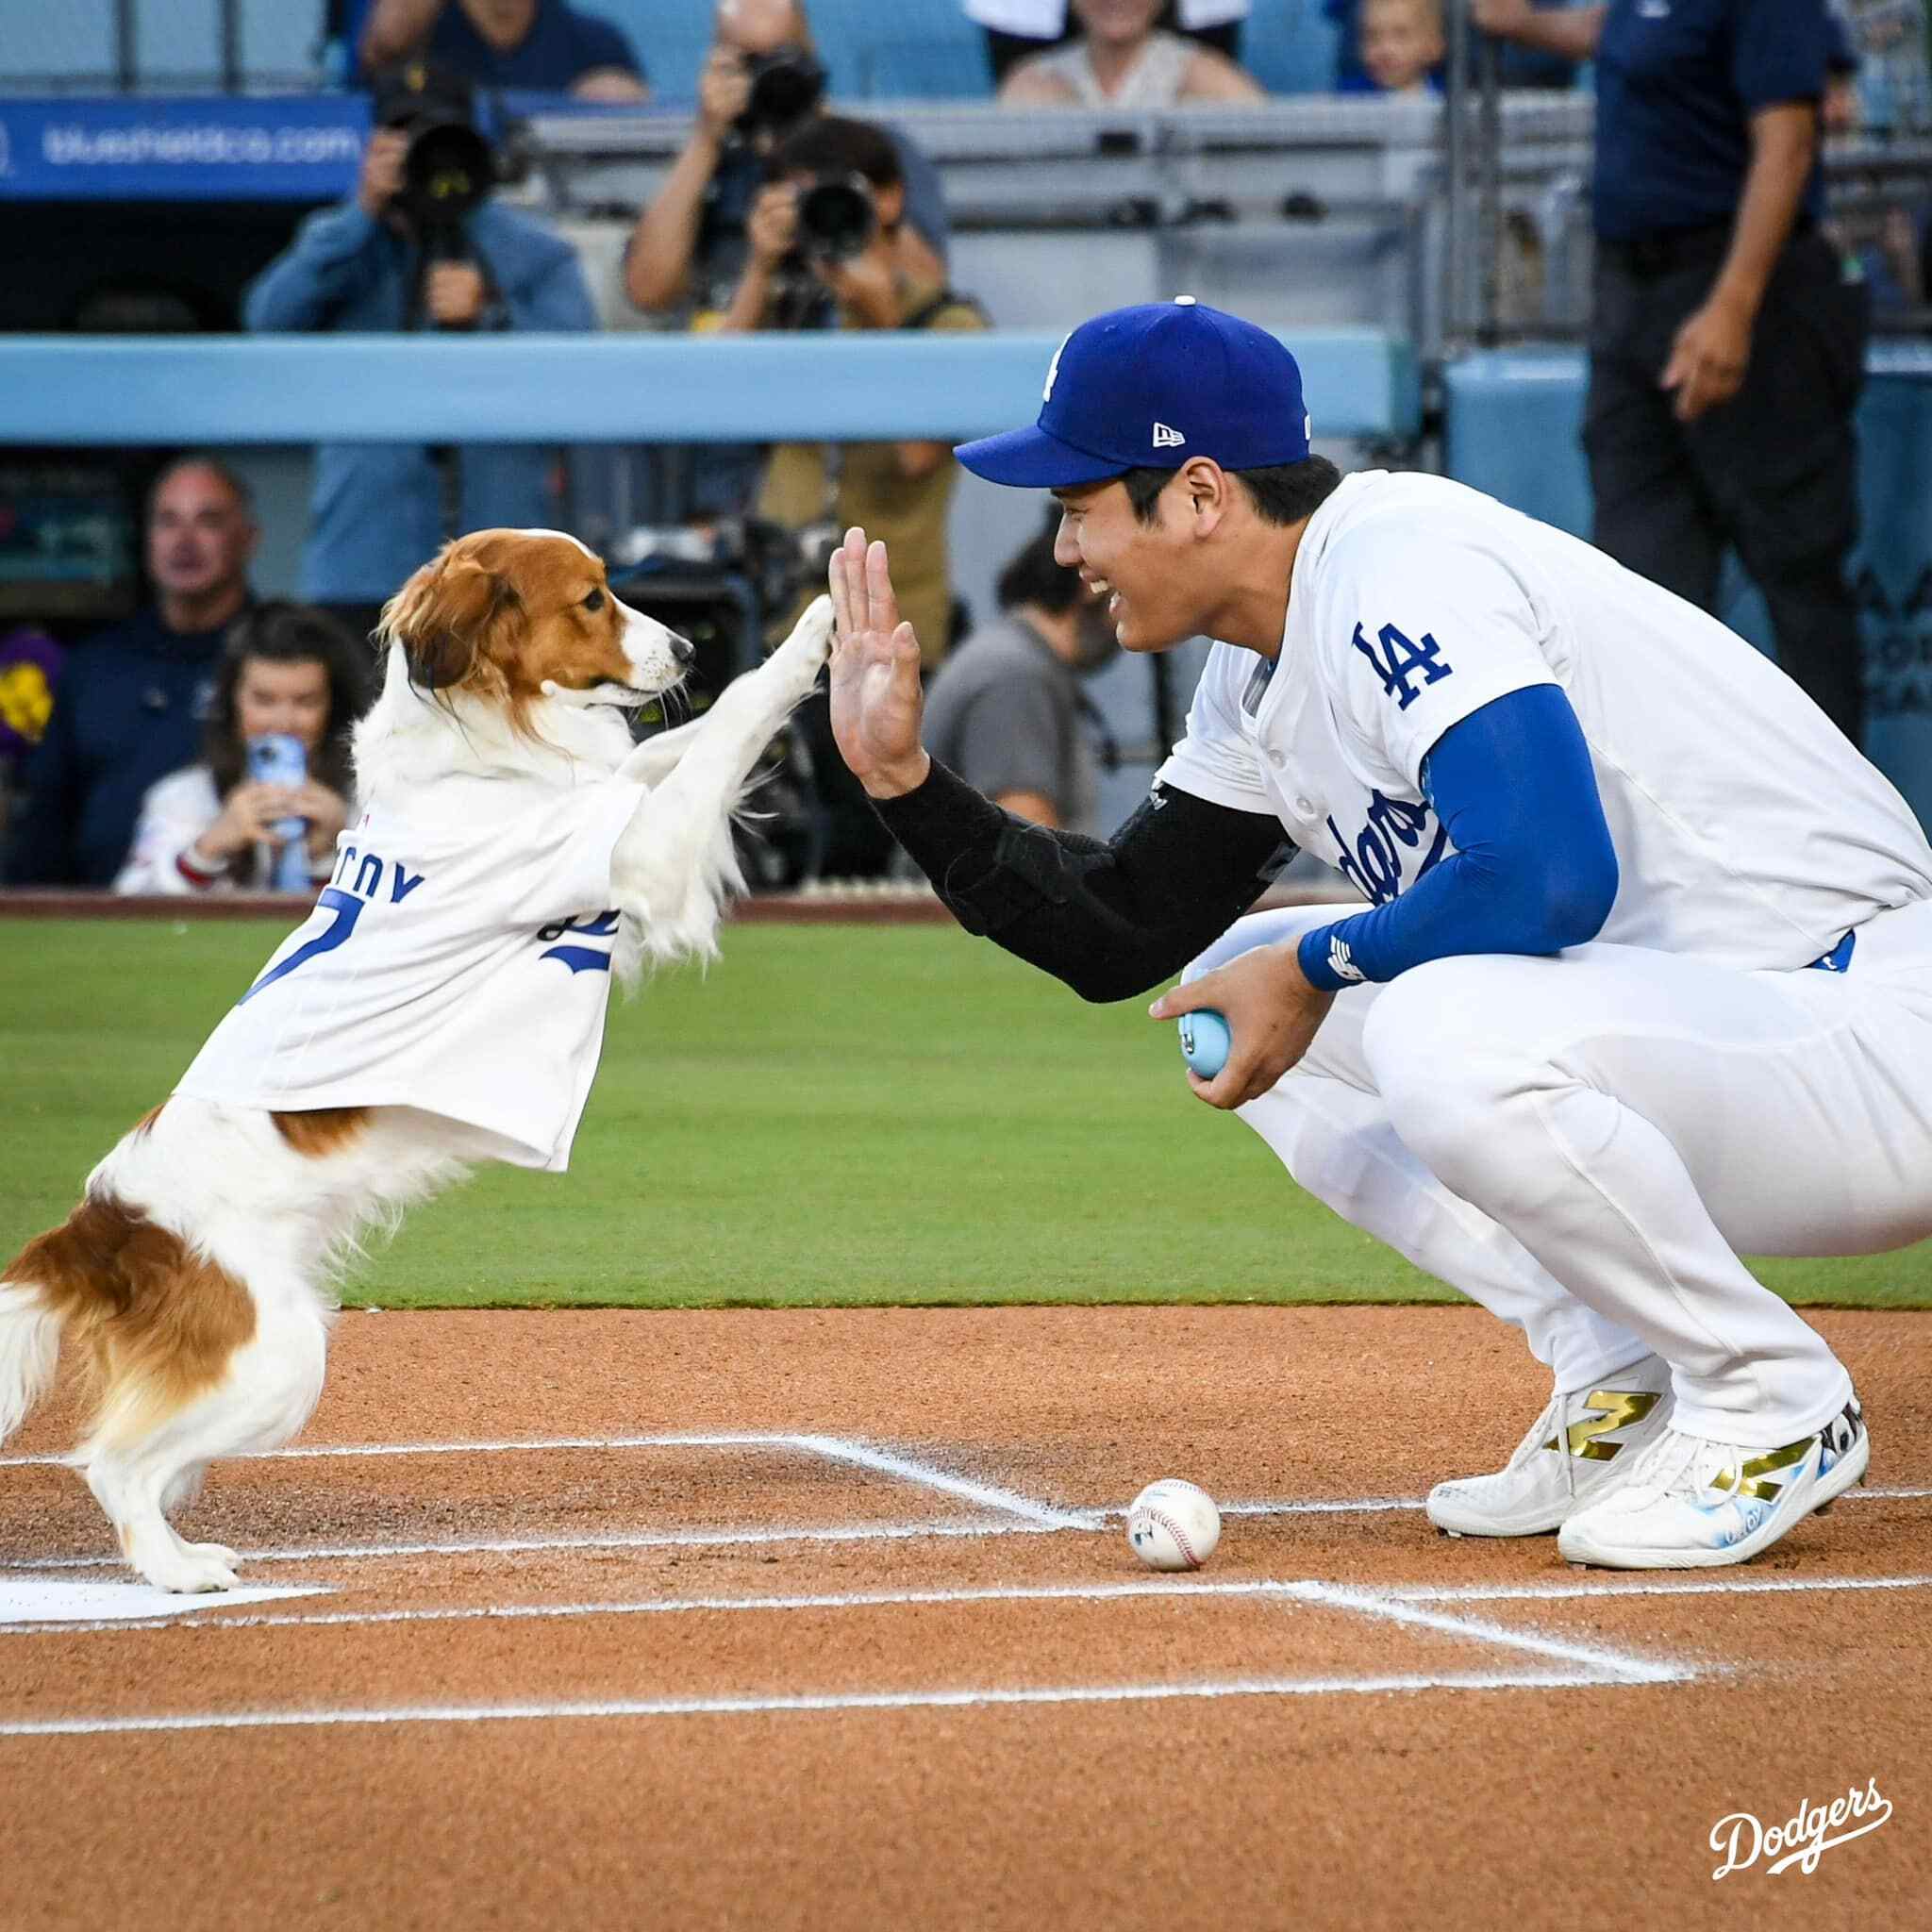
[784, 1619]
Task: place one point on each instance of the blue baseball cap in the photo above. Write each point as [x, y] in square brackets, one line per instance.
[1149, 388]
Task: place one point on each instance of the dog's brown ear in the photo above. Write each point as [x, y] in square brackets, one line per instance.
[441, 616]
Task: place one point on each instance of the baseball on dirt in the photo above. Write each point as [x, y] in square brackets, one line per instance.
[1173, 1524]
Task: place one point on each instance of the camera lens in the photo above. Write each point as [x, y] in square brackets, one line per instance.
[446, 172]
[785, 87]
[835, 217]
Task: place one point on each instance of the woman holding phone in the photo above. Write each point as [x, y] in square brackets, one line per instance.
[290, 685]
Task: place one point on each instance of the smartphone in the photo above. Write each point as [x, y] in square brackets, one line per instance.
[279, 757]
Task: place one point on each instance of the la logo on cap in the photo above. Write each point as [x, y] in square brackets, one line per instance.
[1165, 437]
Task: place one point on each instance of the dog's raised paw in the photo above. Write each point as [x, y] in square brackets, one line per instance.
[811, 636]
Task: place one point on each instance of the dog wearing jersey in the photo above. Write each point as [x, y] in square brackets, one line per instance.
[443, 1004]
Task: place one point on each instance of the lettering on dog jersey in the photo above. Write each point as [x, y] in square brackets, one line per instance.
[602, 926]
[359, 880]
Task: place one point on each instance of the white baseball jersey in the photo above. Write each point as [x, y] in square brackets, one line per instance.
[1748, 831]
[460, 963]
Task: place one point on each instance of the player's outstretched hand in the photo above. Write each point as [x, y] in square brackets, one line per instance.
[1271, 1013]
[877, 701]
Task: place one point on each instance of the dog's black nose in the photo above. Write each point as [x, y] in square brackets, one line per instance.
[682, 648]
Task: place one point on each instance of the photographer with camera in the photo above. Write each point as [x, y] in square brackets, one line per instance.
[824, 252]
[690, 247]
[421, 246]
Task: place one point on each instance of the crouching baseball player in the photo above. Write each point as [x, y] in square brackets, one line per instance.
[1645, 978]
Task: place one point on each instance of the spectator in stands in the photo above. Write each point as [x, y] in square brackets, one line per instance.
[212, 827]
[690, 247]
[1006, 712]
[539, 45]
[1520, 66]
[798, 275]
[1727, 345]
[376, 264]
[1016, 29]
[1122, 59]
[1402, 44]
[131, 699]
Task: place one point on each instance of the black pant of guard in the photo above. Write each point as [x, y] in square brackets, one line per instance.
[1772, 472]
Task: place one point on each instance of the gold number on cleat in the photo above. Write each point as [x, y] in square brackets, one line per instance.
[1619, 1407]
[1751, 1478]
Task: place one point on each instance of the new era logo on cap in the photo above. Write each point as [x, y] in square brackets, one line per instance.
[1236, 385]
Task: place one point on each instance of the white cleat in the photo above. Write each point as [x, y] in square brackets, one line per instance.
[1581, 1444]
[1693, 1503]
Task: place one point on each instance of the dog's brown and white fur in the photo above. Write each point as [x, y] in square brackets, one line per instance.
[195, 1274]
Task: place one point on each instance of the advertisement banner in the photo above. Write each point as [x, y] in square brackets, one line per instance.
[300, 147]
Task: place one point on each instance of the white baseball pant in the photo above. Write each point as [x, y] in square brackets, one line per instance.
[1584, 1143]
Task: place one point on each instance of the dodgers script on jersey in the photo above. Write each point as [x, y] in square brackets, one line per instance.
[460, 963]
[1748, 831]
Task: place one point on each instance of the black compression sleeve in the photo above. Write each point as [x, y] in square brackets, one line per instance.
[1111, 920]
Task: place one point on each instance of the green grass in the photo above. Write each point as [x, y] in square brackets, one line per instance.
[835, 1115]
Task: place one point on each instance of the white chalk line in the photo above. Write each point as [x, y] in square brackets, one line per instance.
[835, 1700]
[1180, 1587]
[1592, 1656]
[1041, 1521]
[829, 1448]
[1598, 1658]
[610, 1539]
[837, 1449]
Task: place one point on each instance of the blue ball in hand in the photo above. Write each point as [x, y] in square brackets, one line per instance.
[1205, 1042]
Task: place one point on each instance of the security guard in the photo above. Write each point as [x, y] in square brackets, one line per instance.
[1727, 345]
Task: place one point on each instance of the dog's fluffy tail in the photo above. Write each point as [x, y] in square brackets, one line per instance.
[30, 1347]
[65, 1278]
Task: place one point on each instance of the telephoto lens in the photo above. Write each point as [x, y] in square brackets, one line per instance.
[837, 218]
[786, 85]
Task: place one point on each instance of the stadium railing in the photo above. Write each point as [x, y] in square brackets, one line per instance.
[167, 389]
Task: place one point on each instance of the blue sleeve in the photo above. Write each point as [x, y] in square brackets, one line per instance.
[334, 256]
[1533, 871]
[1779, 52]
[558, 299]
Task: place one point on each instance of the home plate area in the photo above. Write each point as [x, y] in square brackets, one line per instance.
[827, 1618]
[741, 1573]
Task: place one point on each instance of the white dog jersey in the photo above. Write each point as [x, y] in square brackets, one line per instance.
[1747, 831]
[459, 964]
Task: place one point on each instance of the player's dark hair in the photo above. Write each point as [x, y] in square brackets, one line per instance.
[1282, 493]
[285, 633]
[829, 144]
[1032, 577]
